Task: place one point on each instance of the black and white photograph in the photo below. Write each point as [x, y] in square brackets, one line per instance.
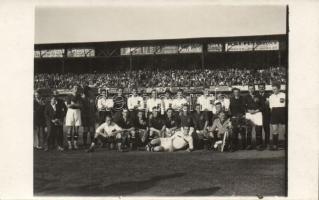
[132, 99]
[120, 113]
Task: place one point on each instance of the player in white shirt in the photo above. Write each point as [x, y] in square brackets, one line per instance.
[104, 106]
[108, 132]
[153, 102]
[167, 101]
[277, 104]
[206, 103]
[176, 142]
[224, 101]
[179, 101]
[135, 103]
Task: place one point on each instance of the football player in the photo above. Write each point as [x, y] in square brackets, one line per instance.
[200, 121]
[237, 112]
[220, 127]
[224, 102]
[156, 124]
[73, 118]
[277, 105]
[180, 140]
[179, 101]
[265, 110]
[87, 117]
[126, 123]
[141, 128]
[206, 103]
[172, 122]
[135, 103]
[167, 101]
[187, 119]
[108, 132]
[104, 106]
[120, 102]
[153, 102]
[253, 117]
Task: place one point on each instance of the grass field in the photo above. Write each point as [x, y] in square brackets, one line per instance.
[199, 173]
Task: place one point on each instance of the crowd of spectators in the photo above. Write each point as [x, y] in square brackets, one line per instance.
[164, 78]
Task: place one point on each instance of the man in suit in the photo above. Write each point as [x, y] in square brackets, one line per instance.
[53, 114]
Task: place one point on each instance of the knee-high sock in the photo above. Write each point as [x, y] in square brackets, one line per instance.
[259, 138]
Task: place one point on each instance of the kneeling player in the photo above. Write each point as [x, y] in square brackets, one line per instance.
[108, 132]
[141, 129]
[220, 130]
[176, 142]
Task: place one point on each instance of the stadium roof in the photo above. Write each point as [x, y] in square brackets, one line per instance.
[130, 23]
[132, 43]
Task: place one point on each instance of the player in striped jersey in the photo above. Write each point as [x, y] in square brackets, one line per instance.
[120, 102]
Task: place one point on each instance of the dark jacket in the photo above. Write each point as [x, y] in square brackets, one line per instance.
[252, 102]
[237, 107]
[263, 99]
[51, 114]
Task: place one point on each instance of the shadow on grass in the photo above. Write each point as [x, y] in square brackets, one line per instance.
[116, 189]
[201, 192]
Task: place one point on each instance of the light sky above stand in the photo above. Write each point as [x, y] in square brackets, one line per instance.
[120, 23]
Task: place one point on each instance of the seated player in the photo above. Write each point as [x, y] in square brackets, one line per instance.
[186, 119]
[180, 140]
[220, 127]
[218, 107]
[141, 128]
[172, 123]
[108, 132]
[125, 122]
[156, 124]
[200, 121]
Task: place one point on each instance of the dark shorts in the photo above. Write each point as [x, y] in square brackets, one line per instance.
[106, 139]
[278, 115]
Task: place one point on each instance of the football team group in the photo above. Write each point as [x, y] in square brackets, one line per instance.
[157, 124]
